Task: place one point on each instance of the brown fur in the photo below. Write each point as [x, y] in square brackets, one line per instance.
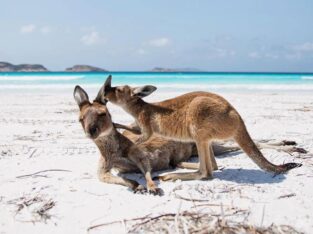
[198, 117]
[116, 150]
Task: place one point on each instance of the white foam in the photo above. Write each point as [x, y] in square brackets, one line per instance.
[239, 86]
[39, 77]
[283, 87]
[307, 77]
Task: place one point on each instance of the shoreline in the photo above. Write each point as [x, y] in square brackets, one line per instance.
[157, 72]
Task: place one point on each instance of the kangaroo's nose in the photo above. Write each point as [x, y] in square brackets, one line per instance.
[93, 130]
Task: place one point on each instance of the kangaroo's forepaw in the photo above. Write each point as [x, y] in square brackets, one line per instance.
[140, 189]
[156, 191]
[153, 189]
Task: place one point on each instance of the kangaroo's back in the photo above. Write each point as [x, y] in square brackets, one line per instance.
[177, 118]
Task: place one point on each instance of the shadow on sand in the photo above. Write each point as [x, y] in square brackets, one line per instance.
[251, 176]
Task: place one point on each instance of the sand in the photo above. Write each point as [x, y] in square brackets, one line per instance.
[39, 130]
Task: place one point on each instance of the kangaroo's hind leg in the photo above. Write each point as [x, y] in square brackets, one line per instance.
[188, 165]
[212, 157]
[205, 168]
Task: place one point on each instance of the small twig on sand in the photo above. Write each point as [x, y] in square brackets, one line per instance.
[191, 199]
[263, 214]
[42, 212]
[114, 222]
[38, 172]
[32, 154]
[186, 198]
[207, 205]
[287, 195]
[37, 205]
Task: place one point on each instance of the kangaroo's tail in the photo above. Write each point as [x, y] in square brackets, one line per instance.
[249, 147]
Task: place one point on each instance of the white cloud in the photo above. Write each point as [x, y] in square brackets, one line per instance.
[217, 52]
[29, 28]
[45, 29]
[298, 51]
[271, 56]
[305, 47]
[254, 55]
[141, 51]
[91, 38]
[290, 52]
[293, 56]
[159, 42]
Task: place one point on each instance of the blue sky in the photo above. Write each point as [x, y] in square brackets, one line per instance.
[241, 35]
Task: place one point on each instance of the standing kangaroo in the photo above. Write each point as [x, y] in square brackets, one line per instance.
[199, 117]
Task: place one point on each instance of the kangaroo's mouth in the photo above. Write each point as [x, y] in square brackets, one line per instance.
[93, 137]
[97, 133]
[92, 132]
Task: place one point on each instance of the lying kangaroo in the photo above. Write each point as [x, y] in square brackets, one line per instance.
[199, 117]
[116, 150]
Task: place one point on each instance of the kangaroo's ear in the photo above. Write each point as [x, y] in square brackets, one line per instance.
[143, 91]
[100, 97]
[107, 84]
[80, 96]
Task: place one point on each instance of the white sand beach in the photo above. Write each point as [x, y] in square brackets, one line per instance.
[39, 130]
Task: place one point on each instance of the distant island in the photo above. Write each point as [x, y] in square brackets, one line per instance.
[8, 67]
[84, 68]
[162, 69]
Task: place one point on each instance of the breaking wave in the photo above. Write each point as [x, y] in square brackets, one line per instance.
[184, 87]
[307, 77]
[40, 78]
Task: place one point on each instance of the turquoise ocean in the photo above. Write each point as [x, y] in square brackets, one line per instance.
[175, 80]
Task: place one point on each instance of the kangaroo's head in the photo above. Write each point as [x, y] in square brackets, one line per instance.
[122, 95]
[94, 117]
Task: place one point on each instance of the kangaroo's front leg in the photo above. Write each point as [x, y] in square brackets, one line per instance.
[141, 159]
[105, 176]
[146, 133]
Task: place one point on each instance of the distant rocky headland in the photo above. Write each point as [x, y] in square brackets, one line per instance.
[85, 68]
[162, 69]
[8, 67]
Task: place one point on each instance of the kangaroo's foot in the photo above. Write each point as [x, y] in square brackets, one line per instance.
[185, 176]
[188, 165]
[153, 189]
[193, 166]
[140, 189]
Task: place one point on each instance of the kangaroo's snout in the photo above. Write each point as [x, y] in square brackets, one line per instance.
[93, 131]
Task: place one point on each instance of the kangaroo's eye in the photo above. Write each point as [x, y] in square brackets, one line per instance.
[119, 90]
[81, 119]
[102, 114]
